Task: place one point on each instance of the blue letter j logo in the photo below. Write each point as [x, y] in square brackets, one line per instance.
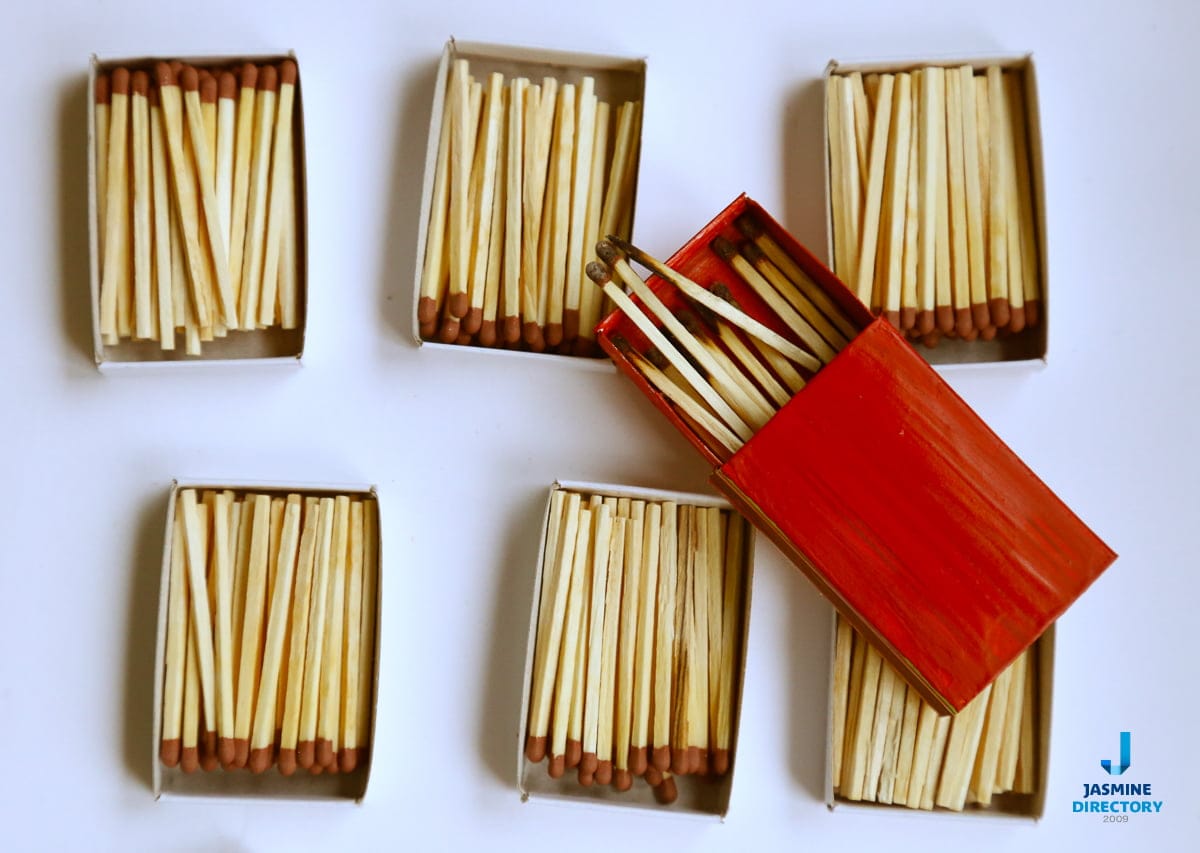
[1124, 765]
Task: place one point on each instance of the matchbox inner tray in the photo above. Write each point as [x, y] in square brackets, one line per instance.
[917, 522]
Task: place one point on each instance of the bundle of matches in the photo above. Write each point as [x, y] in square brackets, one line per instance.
[638, 637]
[196, 201]
[270, 637]
[932, 199]
[723, 371]
[890, 747]
[528, 175]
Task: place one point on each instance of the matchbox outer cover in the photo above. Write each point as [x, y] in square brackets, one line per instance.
[920, 525]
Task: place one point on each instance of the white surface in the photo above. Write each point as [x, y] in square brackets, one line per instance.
[463, 447]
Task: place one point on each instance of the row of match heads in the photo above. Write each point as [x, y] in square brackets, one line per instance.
[211, 82]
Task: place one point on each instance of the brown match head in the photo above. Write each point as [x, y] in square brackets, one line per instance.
[225, 751]
[908, 318]
[586, 348]
[208, 87]
[588, 763]
[531, 333]
[535, 748]
[720, 762]
[653, 776]
[554, 334]
[306, 753]
[154, 96]
[962, 321]
[604, 773]
[472, 321]
[660, 758]
[287, 762]
[241, 751]
[268, 79]
[1016, 319]
[623, 346]
[164, 75]
[944, 317]
[208, 754]
[324, 753]
[347, 760]
[427, 331]
[1033, 311]
[487, 333]
[638, 760]
[570, 325]
[609, 253]
[458, 305]
[925, 322]
[586, 777]
[654, 356]
[248, 75]
[168, 752]
[103, 96]
[893, 317]
[510, 329]
[558, 766]
[260, 760]
[679, 760]
[574, 752]
[287, 72]
[932, 339]
[176, 67]
[987, 333]
[971, 335]
[316, 769]
[426, 310]
[227, 85]
[753, 254]
[189, 759]
[666, 793]
[599, 273]
[120, 81]
[999, 311]
[623, 780]
[189, 79]
[450, 330]
[724, 249]
[749, 226]
[704, 761]
[693, 759]
[464, 339]
[981, 317]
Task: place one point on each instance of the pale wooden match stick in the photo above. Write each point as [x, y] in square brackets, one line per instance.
[589, 299]
[608, 656]
[797, 300]
[274, 537]
[195, 530]
[912, 214]
[715, 564]
[731, 620]
[353, 653]
[837, 169]
[1012, 206]
[574, 753]
[221, 560]
[251, 627]
[843, 644]
[921, 769]
[602, 540]
[643, 667]
[801, 327]
[541, 105]
[298, 639]
[280, 187]
[289, 274]
[263, 730]
[103, 105]
[983, 144]
[897, 196]
[242, 157]
[208, 199]
[315, 648]
[630, 606]
[664, 639]
[775, 358]
[556, 571]
[908, 739]
[241, 569]
[930, 98]
[116, 222]
[982, 777]
[998, 292]
[209, 725]
[366, 631]
[483, 175]
[891, 745]
[731, 368]
[752, 364]
[617, 193]
[1025, 779]
[943, 291]
[742, 399]
[495, 260]
[189, 758]
[858, 657]
[854, 784]
[961, 748]
[849, 191]
[175, 656]
[461, 154]
[510, 321]
[585, 133]
[874, 176]
[545, 250]
[933, 770]
[871, 89]
[976, 247]
[570, 647]
[685, 651]
[227, 92]
[957, 180]
[564, 146]
[1010, 738]
[434, 272]
[1026, 225]
[331, 661]
[258, 198]
[161, 204]
[861, 111]
[143, 241]
[208, 115]
[876, 735]
[720, 305]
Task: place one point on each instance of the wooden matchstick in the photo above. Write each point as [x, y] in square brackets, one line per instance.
[242, 157]
[289, 273]
[643, 667]
[315, 648]
[896, 194]
[627, 643]
[334, 636]
[740, 376]
[567, 663]
[943, 316]
[608, 657]
[222, 562]
[961, 748]
[483, 177]
[998, 294]
[556, 572]
[855, 763]
[366, 633]
[241, 569]
[908, 739]
[874, 177]
[541, 106]
[279, 189]
[353, 652]
[195, 530]
[1010, 738]
[707, 584]
[860, 111]
[1012, 207]
[920, 770]
[189, 758]
[891, 744]
[876, 734]
[227, 93]
[752, 364]
[664, 640]
[1025, 779]
[161, 204]
[618, 190]
[574, 753]
[843, 644]
[602, 539]
[932, 142]
[103, 105]
[462, 152]
[510, 321]
[258, 198]
[585, 132]
[298, 641]
[263, 734]
[175, 657]
[912, 214]
[794, 298]
[251, 627]
[434, 272]
[209, 759]
[973, 197]
[491, 292]
[986, 759]
[564, 146]
[1026, 222]
[590, 300]
[116, 222]
[847, 175]
[734, 571]
[143, 248]
[960, 264]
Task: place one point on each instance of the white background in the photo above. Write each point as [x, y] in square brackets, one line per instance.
[463, 446]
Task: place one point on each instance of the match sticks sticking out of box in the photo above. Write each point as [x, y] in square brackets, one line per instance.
[890, 747]
[528, 176]
[270, 632]
[725, 372]
[196, 201]
[638, 636]
[932, 200]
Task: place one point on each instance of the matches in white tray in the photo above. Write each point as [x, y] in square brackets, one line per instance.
[637, 655]
[270, 632]
[530, 172]
[890, 747]
[196, 203]
[932, 199]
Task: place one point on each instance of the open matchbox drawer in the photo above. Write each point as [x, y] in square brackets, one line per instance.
[922, 528]
[273, 345]
[698, 796]
[172, 782]
[1030, 346]
[616, 78]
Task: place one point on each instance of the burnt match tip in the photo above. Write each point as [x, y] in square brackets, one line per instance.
[623, 780]
[749, 226]
[655, 357]
[722, 291]
[666, 793]
[608, 253]
[139, 82]
[598, 273]
[268, 79]
[723, 248]
[190, 79]
[101, 91]
[690, 321]
[208, 87]
[249, 75]
[120, 81]
[753, 254]
[622, 345]
[163, 73]
[287, 762]
[287, 72]
[227, 85]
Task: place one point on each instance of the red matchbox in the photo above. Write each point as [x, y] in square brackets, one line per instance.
[920, 525]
